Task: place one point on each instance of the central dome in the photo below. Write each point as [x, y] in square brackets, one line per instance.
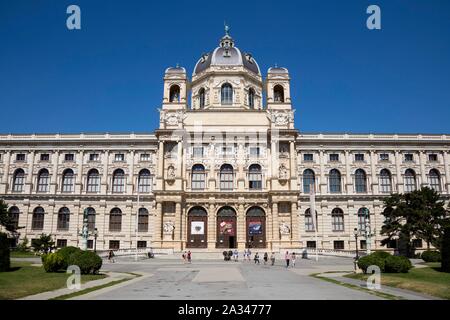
[226, 55]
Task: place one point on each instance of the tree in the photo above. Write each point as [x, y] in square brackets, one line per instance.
[5, 218]
[420, 214]
[445, 250]
[44, 244]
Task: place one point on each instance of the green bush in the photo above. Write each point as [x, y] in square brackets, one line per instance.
[52, 262]
[397, 264]
[381, 254]
[5, 261]
[87, 261]
[370, 260]
[431, 256]
[65, 254]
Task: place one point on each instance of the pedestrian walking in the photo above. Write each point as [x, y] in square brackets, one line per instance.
[184, 256]
[111, 256]
[286, 257]
[189, 256]
[236, 255]
[266, 257]
[272, 258]
[256, 258]
[249, 254]
[293, 258]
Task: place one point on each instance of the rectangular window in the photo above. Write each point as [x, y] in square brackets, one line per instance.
[384, 157]
[254, 151]
[69, 157]
[334, 157]
[227, 151]
[308, 157]
[45, 157]
[409, 157]
[119, 157]
[197, 152]
[255, 180]
[417, 243]
[145, 156]
[142, 244]
[309, 223]
[311, 244]
[338, 245]
[359, 157]
[20, 157]
[362, 244]
[114, 244]
[61, 243]
[94, 157]
[432, 157]
[284, 208]
[169, 208]
[90, 244]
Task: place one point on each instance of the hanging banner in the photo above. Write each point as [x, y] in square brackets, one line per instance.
[197, 228]
[226, 228]
[254, 227]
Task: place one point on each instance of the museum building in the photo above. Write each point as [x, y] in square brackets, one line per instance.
[225, 169]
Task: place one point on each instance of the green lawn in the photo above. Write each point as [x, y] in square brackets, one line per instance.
[18, 254]
[428, 280]
[24, 280]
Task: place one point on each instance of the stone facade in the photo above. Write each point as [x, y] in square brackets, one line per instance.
[223, 170]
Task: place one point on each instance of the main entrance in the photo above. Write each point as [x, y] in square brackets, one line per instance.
[255, 228]
[197, 228]
[226, 228]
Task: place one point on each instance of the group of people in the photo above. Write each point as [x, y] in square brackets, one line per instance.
[187, 257]
[290, 258]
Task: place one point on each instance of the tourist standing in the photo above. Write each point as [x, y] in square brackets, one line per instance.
[293, 258]
[249, 254]
[256, 258]
[286, 257]
[111, 256]
[272, 258]
[236, 255]
[184, 255]
[266, 257]
[189, 256]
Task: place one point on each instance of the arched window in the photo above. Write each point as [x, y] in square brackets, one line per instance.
[337, 219]
[226, 177]
[14, 213]
[251, 98]
[91, 218]
[63, 219]
[410, 180]
[226, 94]
[118, 182]
[37, 222]
[143, 220]
[335, 181]
[309, 179]
[198, 177]
[255, 177]
[68, 181]
[43, 181]
[360, 181]
[174, 94]
[363, 217]
[18, 180]
[309, 222]
[115, 220]
[201, 98]
[144, 181]
[278, 93]
[434, 179]
[93, 181]
[385, 181]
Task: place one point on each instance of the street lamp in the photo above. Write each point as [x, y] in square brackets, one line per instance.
[355, 232]
[95, 239]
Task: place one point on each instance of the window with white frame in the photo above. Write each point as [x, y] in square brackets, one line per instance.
[119, 157]
[385, 181]
[197, 151]
[226, 177]
[410, 180]
[144, 181]
[118, 181]
[337, 219]
[145, 156]
[198, 177]
[68, 181]
[94, 157]
[43, 181]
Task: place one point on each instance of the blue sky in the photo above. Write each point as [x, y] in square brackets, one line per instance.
[107, 77]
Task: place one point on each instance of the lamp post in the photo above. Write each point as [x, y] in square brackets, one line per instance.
[355, 232]
[95, 239]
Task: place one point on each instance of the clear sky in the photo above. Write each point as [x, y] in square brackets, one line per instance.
[107, 77]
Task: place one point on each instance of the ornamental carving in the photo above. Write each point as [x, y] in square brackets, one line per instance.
[281, 117]
[168, 227]
[172, 118]
[283, 172]
[285, 228]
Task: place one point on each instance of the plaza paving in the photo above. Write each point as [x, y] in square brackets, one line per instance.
[222, 280]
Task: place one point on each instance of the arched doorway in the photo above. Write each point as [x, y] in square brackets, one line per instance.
[256, 228]
[197, 228]
[226, 228]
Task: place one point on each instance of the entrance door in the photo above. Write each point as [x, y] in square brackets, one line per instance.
[256, 228]
[197, 228]
[226, 228]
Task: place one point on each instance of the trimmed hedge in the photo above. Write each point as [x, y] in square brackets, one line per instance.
[52, 262]
[431, 256]
[65, 253]
[5, 261]
[381, 254]
[397, 264]
[370, 260]
[87, 261]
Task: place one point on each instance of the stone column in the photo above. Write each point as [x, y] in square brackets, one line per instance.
[241, 228]
[131, 179]
[295, 234]
[178, 229]
[157, 233]
[212, 185]
[293, 165]
[399, 187]
[322, 178]
[241, 173]
[275, 227]
[375, 188]
[105, 176]
[211, 236]
[4, 188]
[349, 183]
[30, 176]
[179, 158]
[423, 173]
[54, 178]
[79, 175]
